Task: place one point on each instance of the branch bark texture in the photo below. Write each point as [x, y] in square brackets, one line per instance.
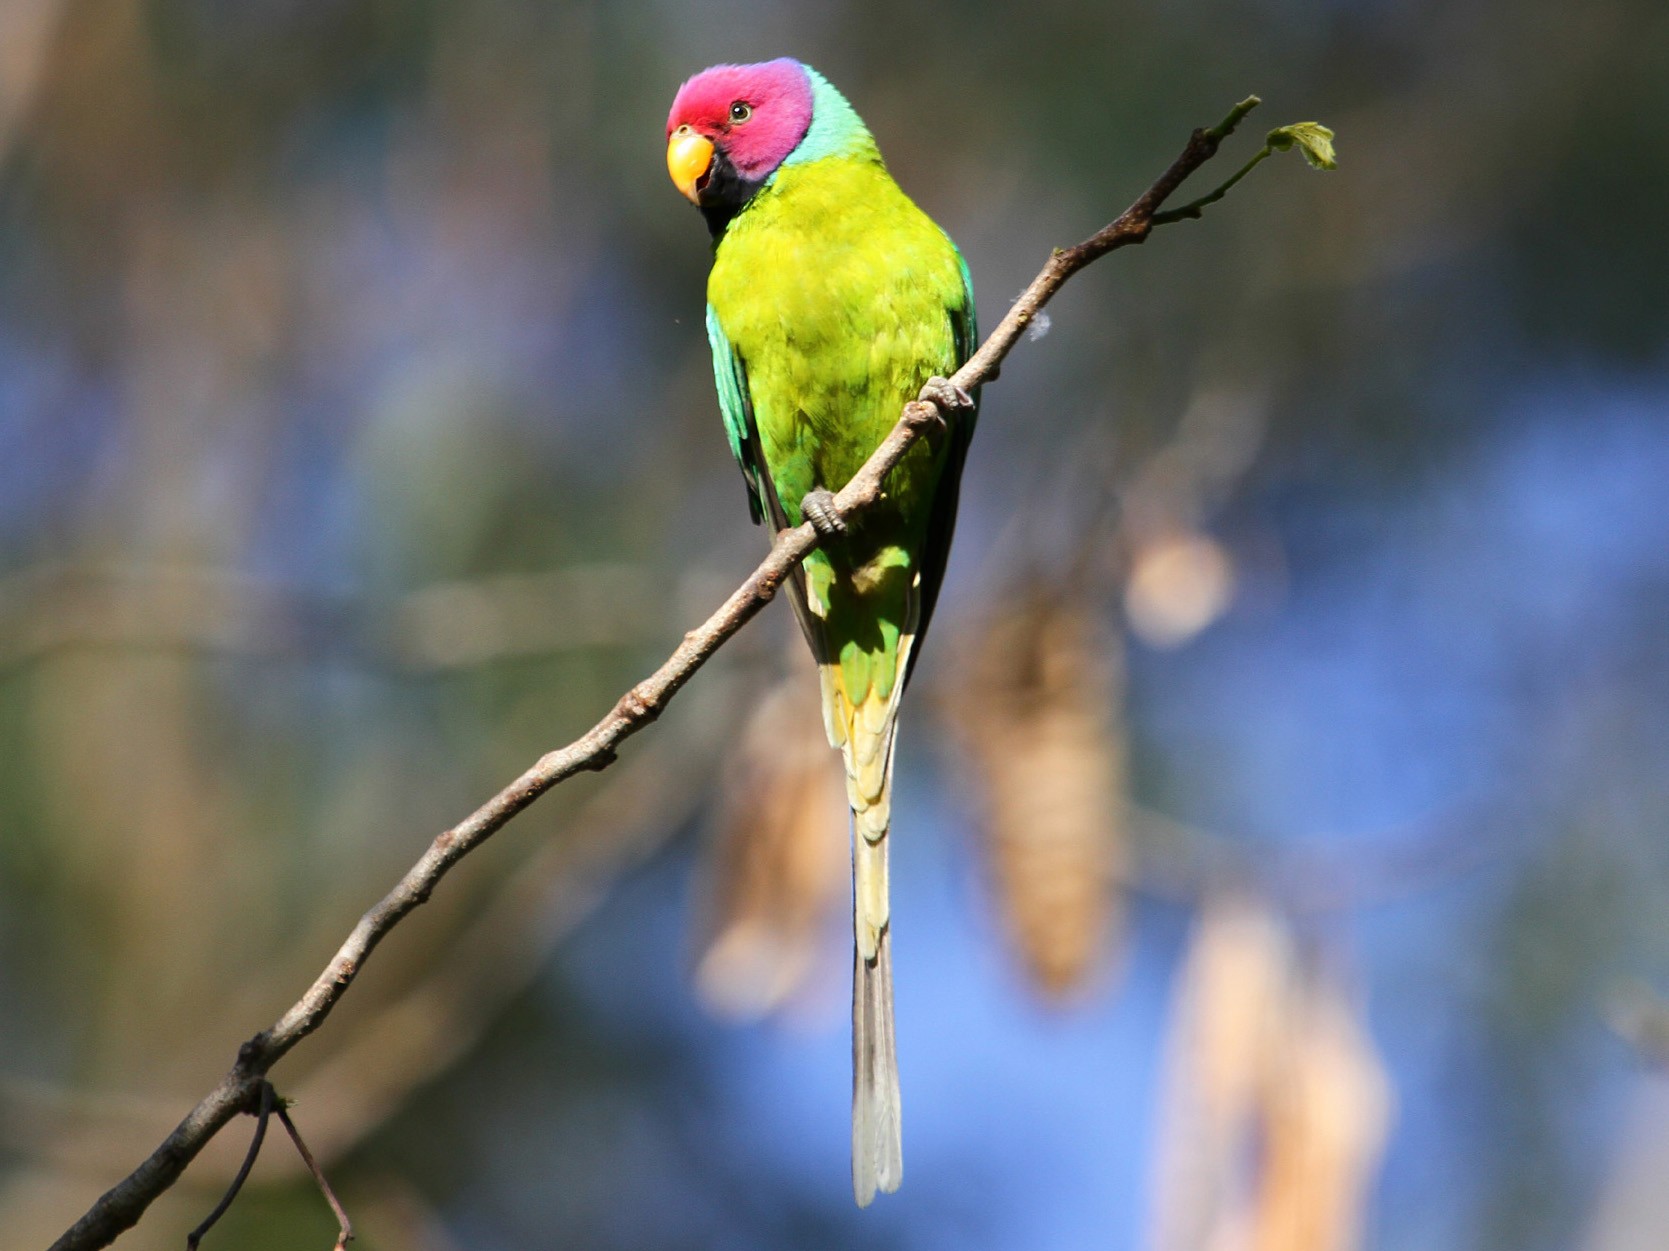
[239, 1091]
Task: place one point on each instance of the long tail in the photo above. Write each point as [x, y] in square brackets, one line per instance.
[865, 734]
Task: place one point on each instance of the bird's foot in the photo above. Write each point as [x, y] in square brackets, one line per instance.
[818, 508]
[945, 396]
[948, 401]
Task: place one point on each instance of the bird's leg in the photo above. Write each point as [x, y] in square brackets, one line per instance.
[948, 400]
[818, 508]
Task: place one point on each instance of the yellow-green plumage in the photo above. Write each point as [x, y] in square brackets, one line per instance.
[832, 300]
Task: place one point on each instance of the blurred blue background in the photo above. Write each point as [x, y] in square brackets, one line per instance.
[1280, 859]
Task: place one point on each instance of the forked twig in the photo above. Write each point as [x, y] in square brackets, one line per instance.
[268, 1099]
[269, 1104]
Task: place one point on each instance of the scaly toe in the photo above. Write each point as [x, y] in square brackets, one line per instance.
[818, 508]
[946, 396]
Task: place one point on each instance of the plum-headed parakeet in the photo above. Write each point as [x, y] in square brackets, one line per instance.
[833, 301]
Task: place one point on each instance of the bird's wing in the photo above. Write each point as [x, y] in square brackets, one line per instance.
[736, 405]
[964, 329]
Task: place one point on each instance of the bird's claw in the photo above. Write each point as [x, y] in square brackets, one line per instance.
[818, 508]
[945, 396]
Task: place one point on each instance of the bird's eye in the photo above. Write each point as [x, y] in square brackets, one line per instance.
[740, 111]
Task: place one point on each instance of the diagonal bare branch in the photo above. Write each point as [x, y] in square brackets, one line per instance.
[123, 1205]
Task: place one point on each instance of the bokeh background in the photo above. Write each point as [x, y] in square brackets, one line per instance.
[1281, 854]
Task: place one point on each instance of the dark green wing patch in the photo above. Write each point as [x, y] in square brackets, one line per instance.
[964, 330]
[964, 322]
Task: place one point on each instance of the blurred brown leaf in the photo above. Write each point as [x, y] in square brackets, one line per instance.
[1276, 1106]
[1224, 1022]
[26, 30]
[1327, 1111]
[1039, 716]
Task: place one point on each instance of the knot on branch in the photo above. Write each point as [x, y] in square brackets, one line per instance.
[635, 706]
[260, 1099]
[253, 1052]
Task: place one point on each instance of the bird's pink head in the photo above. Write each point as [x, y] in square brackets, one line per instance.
[736, 123]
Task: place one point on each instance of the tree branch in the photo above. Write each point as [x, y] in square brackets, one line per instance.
[121, 1207]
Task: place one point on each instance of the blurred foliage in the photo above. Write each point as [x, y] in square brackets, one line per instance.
[1039, 719]
[1276, 1103]
[357, 444]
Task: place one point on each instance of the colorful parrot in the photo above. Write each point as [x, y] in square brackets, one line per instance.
[833, 301]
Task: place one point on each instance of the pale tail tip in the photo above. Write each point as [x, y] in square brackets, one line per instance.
[867, 1185]
[877, 1140]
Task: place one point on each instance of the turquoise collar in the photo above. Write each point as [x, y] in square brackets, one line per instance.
[836, 129]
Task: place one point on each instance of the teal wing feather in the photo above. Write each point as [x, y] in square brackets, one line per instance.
[737, 407]
[964, 328]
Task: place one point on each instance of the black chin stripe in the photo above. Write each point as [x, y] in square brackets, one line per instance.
[726, 194]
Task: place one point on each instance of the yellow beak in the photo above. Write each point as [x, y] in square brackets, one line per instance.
[687, 157]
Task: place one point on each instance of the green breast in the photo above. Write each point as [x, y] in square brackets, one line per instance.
[834, 290]
[836, 293]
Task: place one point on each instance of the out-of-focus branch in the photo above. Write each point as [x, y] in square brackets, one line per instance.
[464, 989]
[123, 1205]
[441, 627]
[27, 30]
[1316, 875]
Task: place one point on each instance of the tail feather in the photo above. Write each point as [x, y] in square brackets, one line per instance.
[865, 732]
[871, 907]
[877, 1132]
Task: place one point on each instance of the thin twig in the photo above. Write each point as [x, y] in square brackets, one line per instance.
[1194, 208]
[120, 1207]
[268, 1100]
[344, 1227]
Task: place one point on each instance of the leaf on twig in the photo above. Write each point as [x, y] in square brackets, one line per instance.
[1313, 139]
